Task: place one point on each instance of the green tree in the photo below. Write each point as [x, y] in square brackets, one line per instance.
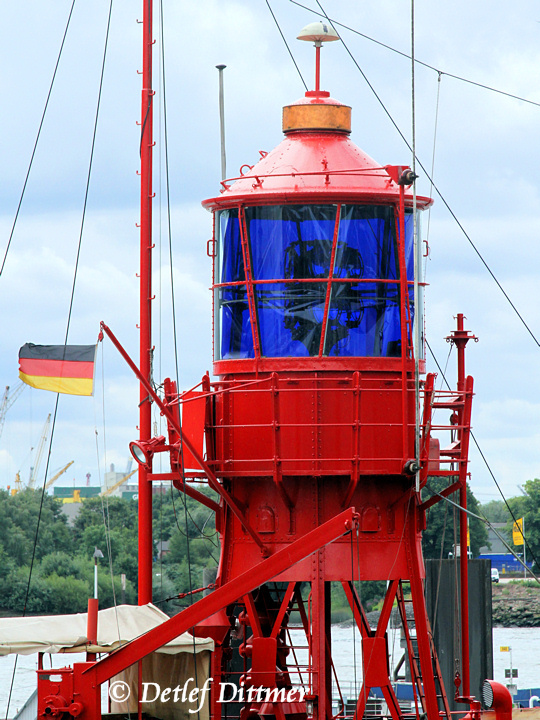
[114, 512]
[63, 569]
[495, 511]
[442, 519]
[19, 520]
[189, 528]
[109, 523]
[169, 514]
[16, 596]
[527, 506]
[67, 594]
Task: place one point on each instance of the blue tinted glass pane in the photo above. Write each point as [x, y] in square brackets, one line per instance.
[232, 265]
[363, 320]
[290, 318]
[295, 243]
[409, 244]
[291, 241]
[236, 336]
[367, 244]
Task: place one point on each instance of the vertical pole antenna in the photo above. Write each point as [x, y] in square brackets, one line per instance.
[220, 69]
[318, 45]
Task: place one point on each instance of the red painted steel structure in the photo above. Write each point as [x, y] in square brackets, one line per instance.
[309, 431]
[145, 328]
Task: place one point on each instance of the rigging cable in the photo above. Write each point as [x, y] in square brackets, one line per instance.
[418, 62]
[430, 178]
[439, 193]
[287, 45]
[417, 265]
[160, 325]
[168, 195]
[105, 513]
[490, 525]
[27, 592]
[486, 464]
[37, 139]
[439, 574]
[171, 270]
[354, 617]
[432, 170]
[67, 325]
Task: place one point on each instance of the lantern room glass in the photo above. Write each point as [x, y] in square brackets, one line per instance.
[291, 252]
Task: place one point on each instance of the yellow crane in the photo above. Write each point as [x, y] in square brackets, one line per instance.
[122, 480]
[50, 481]
[18, 484]
[39, 454]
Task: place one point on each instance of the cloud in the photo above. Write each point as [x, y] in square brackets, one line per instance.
[485, 166]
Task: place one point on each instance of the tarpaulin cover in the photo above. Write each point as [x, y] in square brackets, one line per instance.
[67, 633]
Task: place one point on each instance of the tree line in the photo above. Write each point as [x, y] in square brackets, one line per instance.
[51, 570]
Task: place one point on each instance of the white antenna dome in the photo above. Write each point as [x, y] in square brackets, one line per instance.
[318, 32]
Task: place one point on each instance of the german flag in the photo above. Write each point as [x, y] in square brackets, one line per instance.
[60, 368]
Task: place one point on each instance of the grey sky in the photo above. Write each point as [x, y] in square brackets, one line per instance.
[486, 159]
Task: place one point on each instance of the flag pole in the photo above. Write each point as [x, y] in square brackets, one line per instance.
[524, 547]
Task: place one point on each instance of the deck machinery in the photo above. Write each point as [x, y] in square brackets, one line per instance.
[317, 436]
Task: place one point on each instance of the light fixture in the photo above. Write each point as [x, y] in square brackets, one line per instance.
[143, 450]
[137, 452]
[497, 697]
[97, 554]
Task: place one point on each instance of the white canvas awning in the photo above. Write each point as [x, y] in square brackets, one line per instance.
[67, 633]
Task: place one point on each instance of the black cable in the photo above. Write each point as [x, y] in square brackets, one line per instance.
[37, 138]
[27, 593]
[418, 62]
[167, 190]
[67, 323]
[485, 462]
[161, 541]
[173, 304]
[486, 521]
[186, 534]
[287, 46]
[514, 308]
[94, 133]
[353, 608]
[454, 216]
[201, 530]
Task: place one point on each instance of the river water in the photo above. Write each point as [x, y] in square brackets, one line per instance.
[525, 644]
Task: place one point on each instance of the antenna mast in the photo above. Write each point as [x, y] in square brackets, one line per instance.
[220, 69]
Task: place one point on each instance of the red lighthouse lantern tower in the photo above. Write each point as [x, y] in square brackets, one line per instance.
[315, 409]
[314, 437]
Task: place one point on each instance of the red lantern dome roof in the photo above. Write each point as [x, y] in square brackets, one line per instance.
[316, 162]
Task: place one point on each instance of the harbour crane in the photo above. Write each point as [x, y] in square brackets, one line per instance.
[122, 480]
[39, 454]
[7, 401]
[55, 477]
[18, 484]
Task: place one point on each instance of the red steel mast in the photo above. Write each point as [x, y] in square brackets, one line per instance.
[145, 329]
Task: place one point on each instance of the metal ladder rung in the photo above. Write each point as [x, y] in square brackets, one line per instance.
[448, 404]
[453, 450]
